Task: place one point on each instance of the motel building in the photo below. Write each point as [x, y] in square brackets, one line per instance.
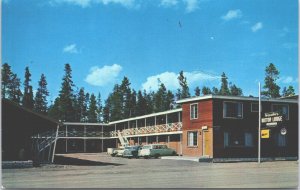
[211, 126]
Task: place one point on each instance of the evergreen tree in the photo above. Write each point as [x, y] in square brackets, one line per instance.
[215, 91]
[206, 90]
[66, 96]
[14, 92]
[55, 110]
[160, 98]
[100, 109]
[235, 91]
[184, 91]
[6, 79]
[40, 101]
[270, 86]
[224, 85]
[141, 105]
[92, 112]
[197, 91]
[288, 92]
[149, 97]
[169, 102]
[81, 106]
[27, 101]
[116, 104]
[106, 111]
[132, 104]
[125, 93]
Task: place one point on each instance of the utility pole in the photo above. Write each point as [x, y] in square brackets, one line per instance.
[259, 122]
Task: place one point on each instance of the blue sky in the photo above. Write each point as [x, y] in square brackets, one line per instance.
[104, 40]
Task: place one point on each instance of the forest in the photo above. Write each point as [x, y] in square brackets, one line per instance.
[123, 102]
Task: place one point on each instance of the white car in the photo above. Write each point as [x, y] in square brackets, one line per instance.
[156, 150]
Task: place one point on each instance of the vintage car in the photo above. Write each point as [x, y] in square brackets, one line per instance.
[156, 151]
[131, 151]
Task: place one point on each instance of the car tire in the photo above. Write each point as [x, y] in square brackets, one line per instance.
[156, 155]
[146, 157]
[174, 153]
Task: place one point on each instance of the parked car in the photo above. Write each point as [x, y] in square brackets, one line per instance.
[156, 150]
[131, 151]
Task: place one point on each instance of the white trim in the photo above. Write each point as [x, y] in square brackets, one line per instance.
[196, 116]
[288, 107]
[235, 98]
[86, 124]
[224, 117]
[257, 107]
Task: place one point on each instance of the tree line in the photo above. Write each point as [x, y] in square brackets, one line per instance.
[123, 102]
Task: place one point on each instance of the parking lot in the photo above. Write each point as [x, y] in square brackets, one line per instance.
[102, 171]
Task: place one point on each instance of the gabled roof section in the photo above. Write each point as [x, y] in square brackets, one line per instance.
[11, 103]
[198, 98]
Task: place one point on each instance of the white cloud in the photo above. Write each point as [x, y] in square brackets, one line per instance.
[287, 80]
[70, 49]
[171, 82]
[168, 3]
[232, 14]
[191, 5]
[257, 27]
[102, 76]
[87, 3]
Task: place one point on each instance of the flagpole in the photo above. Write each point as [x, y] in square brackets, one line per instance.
[259, 122]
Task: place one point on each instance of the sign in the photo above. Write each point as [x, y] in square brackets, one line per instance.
[265, 133]
[271, 119]
[283, 131]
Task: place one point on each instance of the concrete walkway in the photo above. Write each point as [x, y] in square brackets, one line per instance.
[187, 158]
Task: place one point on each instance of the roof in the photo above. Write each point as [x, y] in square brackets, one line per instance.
[11, 103]
[197, 98]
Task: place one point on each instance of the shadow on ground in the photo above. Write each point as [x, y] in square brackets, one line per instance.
[61, 160]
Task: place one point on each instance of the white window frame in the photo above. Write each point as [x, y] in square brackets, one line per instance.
[288, 109]
[252, 107]
[195, 115]
[233, 117]
[188, 138]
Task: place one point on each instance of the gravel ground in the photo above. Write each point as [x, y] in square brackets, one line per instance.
[102, 171]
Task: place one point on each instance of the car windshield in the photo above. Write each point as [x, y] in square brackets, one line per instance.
[146, 147]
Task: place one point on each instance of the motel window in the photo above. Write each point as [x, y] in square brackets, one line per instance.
[234, 139]
[233, 110]
[282, 109]
[280, 140]
[194, 111]
[192, 138]
[254, 107]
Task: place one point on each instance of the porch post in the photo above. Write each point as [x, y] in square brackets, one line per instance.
[55, 144]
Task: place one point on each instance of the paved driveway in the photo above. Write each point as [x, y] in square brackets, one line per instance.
[103, 171]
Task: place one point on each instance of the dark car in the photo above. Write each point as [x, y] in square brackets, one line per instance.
[131, 151]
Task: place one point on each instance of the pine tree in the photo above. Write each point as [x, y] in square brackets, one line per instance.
[288, 92]
[116, 104]
[235, 91]
[206, 90]
[215, 91]
[27, 101]
[55, 110]
[141, 105]
[184, 91]
[149, 97]
[40, 101]
[169, 102]
[81, 106]
[100, 109]
[106, 111]
[66, 96]
[197, 91]
[92, 112]
[224, 85]
[14, 92]
[270, 86]
[6, 79]
[160, 99]
[132, 104]
[125, 93]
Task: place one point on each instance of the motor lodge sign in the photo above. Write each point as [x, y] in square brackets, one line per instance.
[272, 119]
